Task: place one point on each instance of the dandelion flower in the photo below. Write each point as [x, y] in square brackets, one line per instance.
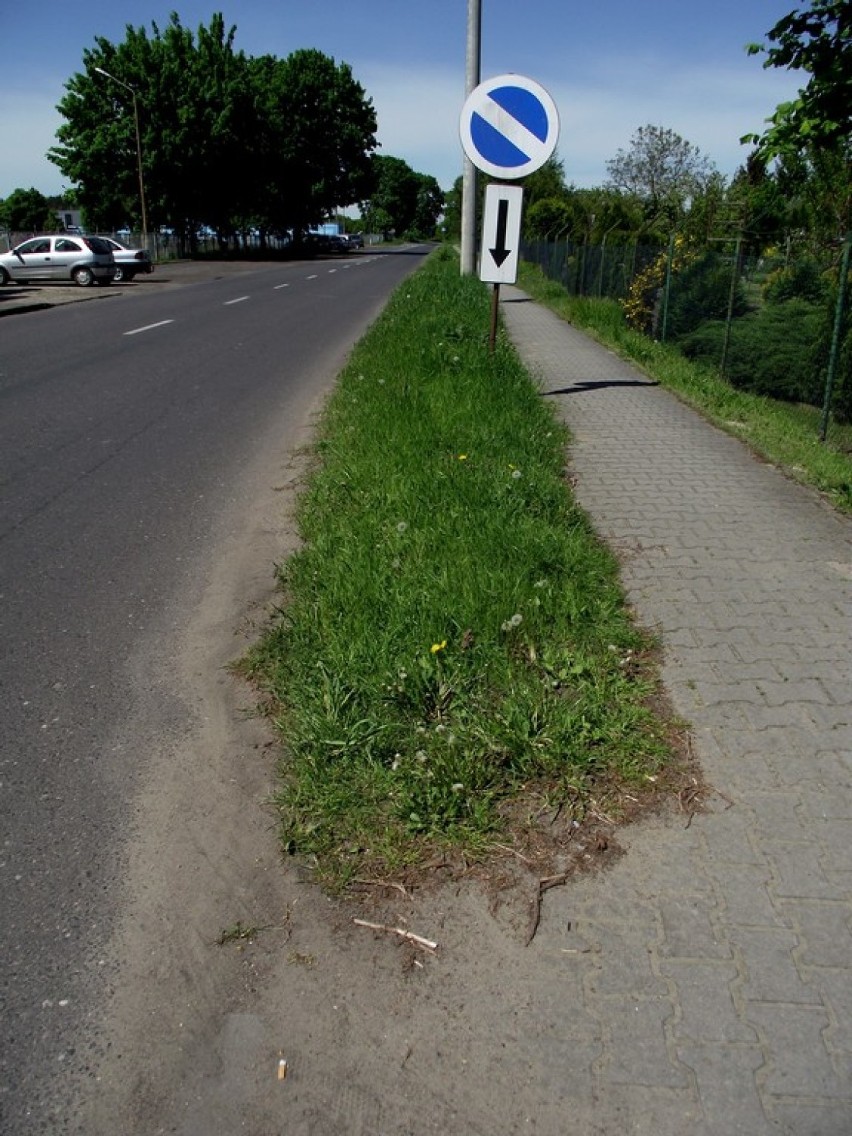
[436, 647]
[462, 457]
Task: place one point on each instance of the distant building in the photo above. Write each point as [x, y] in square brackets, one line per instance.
[71, 220]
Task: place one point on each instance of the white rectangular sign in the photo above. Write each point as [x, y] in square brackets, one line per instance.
[501, 234]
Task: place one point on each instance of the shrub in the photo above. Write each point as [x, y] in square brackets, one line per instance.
[702, 292]
[800, 281]
[776, 351]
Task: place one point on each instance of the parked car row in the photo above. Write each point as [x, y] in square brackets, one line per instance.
[66, 256]
[334, 242]
[91, 260]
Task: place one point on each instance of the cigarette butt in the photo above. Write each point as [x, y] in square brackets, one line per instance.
[282, 1069]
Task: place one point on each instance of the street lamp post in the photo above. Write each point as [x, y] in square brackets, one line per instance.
[127, 87]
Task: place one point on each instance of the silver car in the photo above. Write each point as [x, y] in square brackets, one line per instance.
[129, 262]
[84, 260]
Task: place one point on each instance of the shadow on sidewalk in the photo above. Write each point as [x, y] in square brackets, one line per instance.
[582, 387]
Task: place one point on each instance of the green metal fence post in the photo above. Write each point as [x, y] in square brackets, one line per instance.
[732, 295]
[835, 336]
[667, 288]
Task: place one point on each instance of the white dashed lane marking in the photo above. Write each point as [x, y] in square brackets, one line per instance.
[148, 327]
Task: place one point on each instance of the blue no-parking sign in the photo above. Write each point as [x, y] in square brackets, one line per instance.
[509, 126]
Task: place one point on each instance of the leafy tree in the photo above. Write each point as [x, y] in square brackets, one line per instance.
[429, 206]
[818, 41]
[548, 217]
[227, 140]
[27, 210]
[609, 215]
[816, 181]
[709, 209]
[326, 129]
[453, 211]
[661, 169]
[759, 208]
[548, 181]
[394, 195]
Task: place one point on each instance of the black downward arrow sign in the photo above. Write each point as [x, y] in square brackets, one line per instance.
[500, 253]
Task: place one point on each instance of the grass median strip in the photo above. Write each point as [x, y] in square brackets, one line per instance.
[452, 648]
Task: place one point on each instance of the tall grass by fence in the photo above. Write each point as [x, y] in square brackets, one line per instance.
[584, 269]
[776, 324]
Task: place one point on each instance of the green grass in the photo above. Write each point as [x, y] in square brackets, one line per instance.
[785, 434]
[452, 642]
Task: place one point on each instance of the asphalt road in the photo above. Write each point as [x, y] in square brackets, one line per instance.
[131, 433]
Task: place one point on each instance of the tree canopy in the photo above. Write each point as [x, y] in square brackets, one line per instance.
[402, 200]
[26, 210]
[227, 140]
[661, 169]
[818, 41]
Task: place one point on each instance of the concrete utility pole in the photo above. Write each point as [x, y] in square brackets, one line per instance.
[472, 79]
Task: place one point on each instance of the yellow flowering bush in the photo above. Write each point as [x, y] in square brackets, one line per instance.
[646, 285]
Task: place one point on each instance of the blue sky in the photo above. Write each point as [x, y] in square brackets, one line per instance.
[611, 66]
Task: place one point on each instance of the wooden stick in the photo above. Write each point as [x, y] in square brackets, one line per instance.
[409, 935]
[535, 907]
[383, 884]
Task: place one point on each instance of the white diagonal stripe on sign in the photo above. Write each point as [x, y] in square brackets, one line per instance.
[505, 124]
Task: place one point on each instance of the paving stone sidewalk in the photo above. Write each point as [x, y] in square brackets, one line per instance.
[715, 959]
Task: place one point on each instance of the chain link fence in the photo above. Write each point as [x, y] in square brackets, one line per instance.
[775, 323]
